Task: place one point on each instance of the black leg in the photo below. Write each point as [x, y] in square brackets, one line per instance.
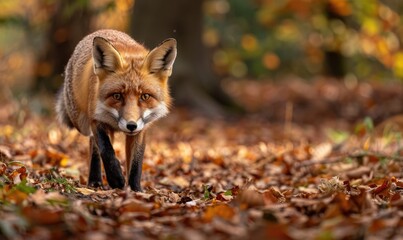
[95, 177]
[137, 153]
[112, 167]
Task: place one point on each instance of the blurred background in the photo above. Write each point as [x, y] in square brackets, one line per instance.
[231, 40]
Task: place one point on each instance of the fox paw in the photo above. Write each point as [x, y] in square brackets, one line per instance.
[135, 184]
[136, 188]
[117, 182]
[116, 178]
[95, 184]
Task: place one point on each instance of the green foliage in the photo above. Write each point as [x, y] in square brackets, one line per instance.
[228, 192]
[207, 192]
[23, 187]
[326, 235]
[365, 127]
[4, 179]
[337, 136]
[58, 202]
[63, 183]
[369, 124]
[275, 38]
[13, 21]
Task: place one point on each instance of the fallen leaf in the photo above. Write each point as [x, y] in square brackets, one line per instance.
[272, 196]
[250, 198]
[85, 191]
[222, 211]
[133, 205]
[43, 216]
[5, 153]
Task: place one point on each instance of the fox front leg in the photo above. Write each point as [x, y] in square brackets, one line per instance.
[95, 176]
[112, 167]
[135, 146]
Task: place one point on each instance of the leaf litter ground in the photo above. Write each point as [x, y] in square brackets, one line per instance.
[308, 161]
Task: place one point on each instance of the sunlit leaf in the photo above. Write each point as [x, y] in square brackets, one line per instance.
[228, 192]
[221, 211]
[337, 136]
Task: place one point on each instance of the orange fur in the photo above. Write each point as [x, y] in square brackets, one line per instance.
[108, 79]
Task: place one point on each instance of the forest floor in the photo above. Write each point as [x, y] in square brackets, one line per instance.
[319, 160]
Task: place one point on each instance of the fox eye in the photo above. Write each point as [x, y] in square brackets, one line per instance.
[145, 96]
[117, 96]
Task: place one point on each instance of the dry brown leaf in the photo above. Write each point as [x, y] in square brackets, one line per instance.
[180, 181]
[392, 124]
[273, 196]
[358, 172]
[218, 178]
[321, 151]
[5, 153]
[85, 191]
[250, 198]
[331, 185]
[43, 216]
[40, 197]
[133, 205]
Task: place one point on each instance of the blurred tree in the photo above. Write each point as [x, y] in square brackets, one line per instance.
[272, 39]
[245, 38]
[334, 59]
[194, 82]
[70, 21]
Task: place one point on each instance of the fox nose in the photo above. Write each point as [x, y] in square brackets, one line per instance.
[131, 126]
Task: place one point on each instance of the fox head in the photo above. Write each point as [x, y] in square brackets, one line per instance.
[132, 89]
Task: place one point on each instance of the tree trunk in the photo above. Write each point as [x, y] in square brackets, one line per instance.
[334, 59]
[66, 29]
[193, 81]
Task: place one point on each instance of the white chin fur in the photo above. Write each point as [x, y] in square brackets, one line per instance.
[102, 108]
[153, 114]
[149, 115]
[123, 126]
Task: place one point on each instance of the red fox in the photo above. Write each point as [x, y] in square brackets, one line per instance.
[114, 84]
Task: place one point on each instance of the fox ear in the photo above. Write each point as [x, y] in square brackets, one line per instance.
[162, 58]
[105, 56]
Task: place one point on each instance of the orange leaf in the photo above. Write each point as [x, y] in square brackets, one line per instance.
[223, 211]
[133, 205]
[273, 196]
